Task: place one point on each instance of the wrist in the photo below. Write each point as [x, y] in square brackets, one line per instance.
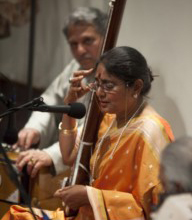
[67, 131]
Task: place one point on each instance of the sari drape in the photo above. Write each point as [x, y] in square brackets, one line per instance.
[17, 212]
[126, 181]
[127, 185]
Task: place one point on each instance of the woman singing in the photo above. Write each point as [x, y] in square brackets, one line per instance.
[125, 163]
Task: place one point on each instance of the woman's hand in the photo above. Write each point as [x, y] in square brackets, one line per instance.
[73, 196]
[77, 89]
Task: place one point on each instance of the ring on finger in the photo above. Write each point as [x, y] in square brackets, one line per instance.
[32, 161]
[70, 80]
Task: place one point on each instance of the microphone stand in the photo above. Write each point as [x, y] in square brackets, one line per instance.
[13, 174]
[10, 135]
[34, 103]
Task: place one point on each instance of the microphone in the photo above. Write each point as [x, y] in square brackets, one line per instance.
[74, 110]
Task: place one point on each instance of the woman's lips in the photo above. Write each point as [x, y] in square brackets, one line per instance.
[103, 103]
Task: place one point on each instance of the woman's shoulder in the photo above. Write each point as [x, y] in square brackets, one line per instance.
[150, 114]
[151, 121]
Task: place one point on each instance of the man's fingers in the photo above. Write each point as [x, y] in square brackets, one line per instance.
[27, 137]
[29, 168]
[30, 139]
[21, 156]
[21, 138]
[37, 166]
[22, 162]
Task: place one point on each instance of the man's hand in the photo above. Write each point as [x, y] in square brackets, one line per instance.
[26, 138]
[34, 159]
[73, 196]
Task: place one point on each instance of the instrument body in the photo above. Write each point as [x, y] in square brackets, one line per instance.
[81, 173]
[38, 188]
[43, 187]
[94, 115]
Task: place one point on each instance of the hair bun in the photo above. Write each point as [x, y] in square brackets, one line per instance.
[151, 77]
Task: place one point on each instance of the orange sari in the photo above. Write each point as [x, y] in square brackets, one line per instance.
[126, 171]
[17, 212]
[127, 184]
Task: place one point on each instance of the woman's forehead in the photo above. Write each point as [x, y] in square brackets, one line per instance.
[101, 73]
[107, 77]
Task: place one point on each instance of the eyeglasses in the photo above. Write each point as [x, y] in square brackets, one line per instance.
[105, 86]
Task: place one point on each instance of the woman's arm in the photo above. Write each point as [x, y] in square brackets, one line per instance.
[68, 126]
[67, 139]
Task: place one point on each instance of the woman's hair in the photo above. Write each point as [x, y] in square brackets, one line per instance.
[87, 16]
[128, 64]
[176, 161]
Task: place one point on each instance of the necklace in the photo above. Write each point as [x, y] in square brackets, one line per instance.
[116, 144]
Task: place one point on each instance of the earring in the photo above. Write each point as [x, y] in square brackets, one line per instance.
[135, 96]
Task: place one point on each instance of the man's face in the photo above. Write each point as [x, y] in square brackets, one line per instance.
[85, 43]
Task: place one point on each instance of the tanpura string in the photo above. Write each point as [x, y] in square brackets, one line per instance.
[117, 143]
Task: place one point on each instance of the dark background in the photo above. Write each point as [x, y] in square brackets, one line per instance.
[20, 91]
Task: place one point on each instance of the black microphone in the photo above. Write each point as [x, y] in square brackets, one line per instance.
[74, 110]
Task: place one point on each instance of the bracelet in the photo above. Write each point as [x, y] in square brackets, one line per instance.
[66, 131]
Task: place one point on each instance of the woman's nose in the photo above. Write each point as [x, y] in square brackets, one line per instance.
[100, 92]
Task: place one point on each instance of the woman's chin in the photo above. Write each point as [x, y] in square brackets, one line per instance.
[106, 110]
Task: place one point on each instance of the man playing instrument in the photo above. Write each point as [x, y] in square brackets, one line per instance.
[84, 31]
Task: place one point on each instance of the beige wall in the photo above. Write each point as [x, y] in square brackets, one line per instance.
[162, 31]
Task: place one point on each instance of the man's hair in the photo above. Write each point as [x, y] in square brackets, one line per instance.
[87, 16]
[176, 161]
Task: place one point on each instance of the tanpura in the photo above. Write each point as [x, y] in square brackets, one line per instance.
[80, 173]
